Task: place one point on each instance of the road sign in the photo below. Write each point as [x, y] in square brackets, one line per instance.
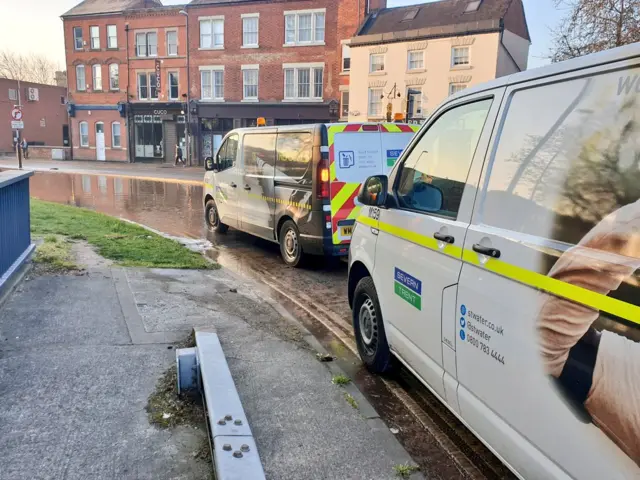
[17, 124]
[16, 114]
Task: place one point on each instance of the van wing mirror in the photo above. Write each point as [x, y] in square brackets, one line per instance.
[209, 164]
[374, 191]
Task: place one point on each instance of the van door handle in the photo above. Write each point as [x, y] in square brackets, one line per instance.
[233, 185]
[247, 187]
[488, 251]
[444, 238]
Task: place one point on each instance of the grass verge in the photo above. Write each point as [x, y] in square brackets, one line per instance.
[127, 244]
[405, 471]
[54, 255]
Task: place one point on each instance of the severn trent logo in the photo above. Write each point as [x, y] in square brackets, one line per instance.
[408, 288]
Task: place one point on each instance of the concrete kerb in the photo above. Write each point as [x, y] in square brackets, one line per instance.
[18, 274]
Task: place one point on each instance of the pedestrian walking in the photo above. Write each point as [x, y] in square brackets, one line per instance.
[25, 148]
[179, 157]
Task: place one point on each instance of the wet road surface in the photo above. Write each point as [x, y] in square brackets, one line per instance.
[316, 295]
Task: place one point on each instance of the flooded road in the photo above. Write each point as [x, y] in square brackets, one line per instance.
[315, 295]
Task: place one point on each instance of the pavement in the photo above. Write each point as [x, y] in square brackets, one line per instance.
[150, 171]
[80, 355]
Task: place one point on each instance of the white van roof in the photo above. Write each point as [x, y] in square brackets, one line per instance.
[608, 56]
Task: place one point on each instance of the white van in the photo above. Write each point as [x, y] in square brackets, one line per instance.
[498, 261]
[296, 185]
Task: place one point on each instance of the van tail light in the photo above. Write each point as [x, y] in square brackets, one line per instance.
[370, 128]
[323, 180]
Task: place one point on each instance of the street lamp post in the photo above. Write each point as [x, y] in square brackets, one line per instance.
[184, 12]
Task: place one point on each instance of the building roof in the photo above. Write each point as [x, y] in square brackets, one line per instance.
[97, 7]
[446, 18]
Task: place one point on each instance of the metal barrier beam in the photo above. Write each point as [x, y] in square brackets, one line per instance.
[235, 454]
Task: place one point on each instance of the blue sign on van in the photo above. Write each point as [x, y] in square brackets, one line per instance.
[392, 156]
[408, 288]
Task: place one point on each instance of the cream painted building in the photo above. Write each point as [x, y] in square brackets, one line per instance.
[414, 57]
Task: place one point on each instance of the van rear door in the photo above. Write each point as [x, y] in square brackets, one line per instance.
[357, 151]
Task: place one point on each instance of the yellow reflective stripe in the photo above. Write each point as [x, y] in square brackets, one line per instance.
[343, 195]
[336, 238]
[332, 172]
[354, 213]
[536, 280]
[333, 130]
[559, 288]
[413, 237]
[415, 128]
[391, 127]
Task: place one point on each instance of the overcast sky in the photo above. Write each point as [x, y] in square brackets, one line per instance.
[35, 26]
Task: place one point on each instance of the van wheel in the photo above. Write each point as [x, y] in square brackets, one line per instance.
[369, 329]
[290, 248]
[213, 219]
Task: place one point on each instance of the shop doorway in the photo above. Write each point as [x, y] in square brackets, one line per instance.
[101, 149]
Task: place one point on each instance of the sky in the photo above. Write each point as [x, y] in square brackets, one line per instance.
[34, 26]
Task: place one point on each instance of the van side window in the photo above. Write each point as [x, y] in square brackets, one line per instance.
[442, 158]
[295, 154]
[228, 152]
[259, 153]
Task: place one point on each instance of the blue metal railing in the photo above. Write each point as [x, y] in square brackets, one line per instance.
[15, 222]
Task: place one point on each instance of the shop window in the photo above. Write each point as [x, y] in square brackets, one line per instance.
[148, 136]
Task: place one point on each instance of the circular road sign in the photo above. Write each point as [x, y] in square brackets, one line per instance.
[16, 114]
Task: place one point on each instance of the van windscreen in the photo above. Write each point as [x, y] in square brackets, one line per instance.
[294, 157]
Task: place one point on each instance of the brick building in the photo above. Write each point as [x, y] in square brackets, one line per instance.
[44, 114]
[127, 63]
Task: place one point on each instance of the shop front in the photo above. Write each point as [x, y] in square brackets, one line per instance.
[216, 120]
[155, 130]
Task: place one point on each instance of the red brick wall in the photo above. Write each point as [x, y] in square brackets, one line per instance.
[92, 117]
[341, 21]
[48, 108]
[160, 22]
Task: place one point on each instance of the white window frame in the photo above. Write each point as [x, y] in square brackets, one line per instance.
[372, 91]
[246, 69]
[314, 28]
[111, 87]
[96, 68]
[251, 16]
[148, 98]
[371, 70]
[166, 37]
[453, 57]
[303, 66]
[344, 117]
[83, 144]
[212, 21]
[421, 98]
[413, 52]
[146, 34]
[177, 74]
[95, 46]
[76, 38]
[114, 37]
[345, 48]
[455, 87]
[216, 96]
[81, 87]
[113, 136]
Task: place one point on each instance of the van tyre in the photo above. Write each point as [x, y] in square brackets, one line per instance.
[290, 247]
[369, 328]
[213, 219]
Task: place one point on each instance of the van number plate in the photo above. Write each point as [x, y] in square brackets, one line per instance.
[346, 231]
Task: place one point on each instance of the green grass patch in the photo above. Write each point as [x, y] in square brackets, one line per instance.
[126, 244]
[350, 400]
[54, 255]
[406, 470]
[340, 380]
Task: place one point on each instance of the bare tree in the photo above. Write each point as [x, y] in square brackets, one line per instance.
[28, 68]
[595, 25]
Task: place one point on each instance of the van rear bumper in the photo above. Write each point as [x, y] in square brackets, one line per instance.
[316, 245]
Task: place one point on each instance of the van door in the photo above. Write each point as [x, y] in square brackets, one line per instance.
[419, 248]
[257, 190]
[227, 180]
[549, 288]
